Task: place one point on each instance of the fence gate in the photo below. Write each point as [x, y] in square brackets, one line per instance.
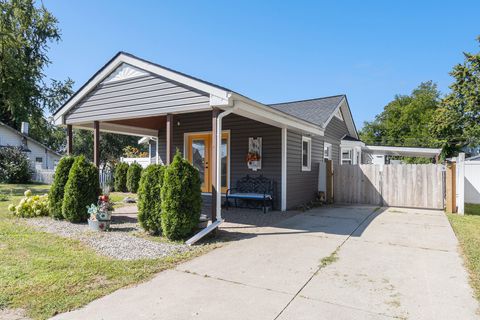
[400, 185]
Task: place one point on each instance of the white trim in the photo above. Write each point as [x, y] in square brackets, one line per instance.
[120, 129]
[308, 167]
[256, 111]
[284, 170]
[351, 152]
[403, 151]
[327, 145]
[344, 108]
[124, 72]
[185, 149]
[338, 114]
[141, 114]
[221, 97]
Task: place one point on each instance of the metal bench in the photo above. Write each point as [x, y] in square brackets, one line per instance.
[254, 189]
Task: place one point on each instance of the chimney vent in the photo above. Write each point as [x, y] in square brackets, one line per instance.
[24, 129]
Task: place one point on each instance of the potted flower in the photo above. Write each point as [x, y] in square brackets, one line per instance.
[100, 214]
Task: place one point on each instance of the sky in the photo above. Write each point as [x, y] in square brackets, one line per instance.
[275, 51]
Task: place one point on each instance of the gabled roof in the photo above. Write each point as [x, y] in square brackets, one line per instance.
[309, 115]
[28, 138]
[317, 111]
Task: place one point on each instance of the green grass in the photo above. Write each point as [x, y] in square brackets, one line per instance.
[117, 198]
[467, 229]
[46, 274]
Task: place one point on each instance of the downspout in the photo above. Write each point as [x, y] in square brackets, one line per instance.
[218, 184]
[218, 209]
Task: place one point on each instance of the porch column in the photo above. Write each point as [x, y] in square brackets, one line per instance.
[157, 158]
[69, 140]
[213, 163]
[169, 138]
[96, 143]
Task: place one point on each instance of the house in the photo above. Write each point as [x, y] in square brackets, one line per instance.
[215, 128]
[40, 156]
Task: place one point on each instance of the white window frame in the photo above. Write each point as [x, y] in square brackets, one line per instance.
[342, 159]
[309, 154]
[327, 146]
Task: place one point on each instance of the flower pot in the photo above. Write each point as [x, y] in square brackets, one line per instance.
[99, 225]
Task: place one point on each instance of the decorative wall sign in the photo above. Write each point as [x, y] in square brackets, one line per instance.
[254, 156]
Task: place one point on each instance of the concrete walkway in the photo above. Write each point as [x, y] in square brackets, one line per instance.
[384, 264]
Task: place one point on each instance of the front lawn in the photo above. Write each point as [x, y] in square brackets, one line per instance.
[46, 274]
[467, 229]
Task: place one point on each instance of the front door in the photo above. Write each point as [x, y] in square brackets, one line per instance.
[199, 154]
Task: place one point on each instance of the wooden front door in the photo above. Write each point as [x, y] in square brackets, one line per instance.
[200, 153]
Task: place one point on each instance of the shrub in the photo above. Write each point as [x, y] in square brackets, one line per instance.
[149, 200]
[81, 190]
[133, 177]
[181, 199]
[120, 177]
[60, 179]
[14, 166]
[31, 206]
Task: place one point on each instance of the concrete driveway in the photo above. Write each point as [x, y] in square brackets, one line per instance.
[328, 263]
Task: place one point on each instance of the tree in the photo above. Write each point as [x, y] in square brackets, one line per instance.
[82, 189]
[55, 196]
[111, 145]
[149, 200]
[26, 31]
[405, 120]
[133, 177]
[14, 166]
[120, 177]
[457, 121]
[181, 199]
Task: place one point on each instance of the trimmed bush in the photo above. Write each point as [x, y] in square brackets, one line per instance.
[120, 177]
[181, 199]
[133, 177]
[82, 189]
[55, 196]
[149, 200]
[14, 166]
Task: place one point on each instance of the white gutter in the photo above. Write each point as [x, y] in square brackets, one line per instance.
[218, 209]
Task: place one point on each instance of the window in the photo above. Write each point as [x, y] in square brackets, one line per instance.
[347, 156]
[306, 153]
[39, 159]
[327, 151]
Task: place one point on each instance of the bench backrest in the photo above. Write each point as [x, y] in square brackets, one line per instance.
[258, 184]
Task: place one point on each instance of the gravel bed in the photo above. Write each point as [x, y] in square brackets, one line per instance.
[119, 243]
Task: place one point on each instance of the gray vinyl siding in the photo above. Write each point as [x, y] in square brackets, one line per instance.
[301, 185]
[140, 96]
[241, 129]
[334, 132]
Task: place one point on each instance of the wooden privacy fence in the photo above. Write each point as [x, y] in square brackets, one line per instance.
[399, 185]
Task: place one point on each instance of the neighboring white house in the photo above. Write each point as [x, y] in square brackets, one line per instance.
[354, 151]
[40, 156]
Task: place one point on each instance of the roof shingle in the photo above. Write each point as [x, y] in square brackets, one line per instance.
[316, 111]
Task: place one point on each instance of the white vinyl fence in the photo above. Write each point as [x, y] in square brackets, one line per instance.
[472, 182]
[43, 176]
[144, 162]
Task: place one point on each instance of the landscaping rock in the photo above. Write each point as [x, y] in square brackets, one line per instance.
[129, 200]
[119, 243]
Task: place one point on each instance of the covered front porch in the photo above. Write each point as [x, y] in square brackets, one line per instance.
[211, 126]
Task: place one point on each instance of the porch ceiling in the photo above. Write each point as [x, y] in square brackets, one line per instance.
[154, 123]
